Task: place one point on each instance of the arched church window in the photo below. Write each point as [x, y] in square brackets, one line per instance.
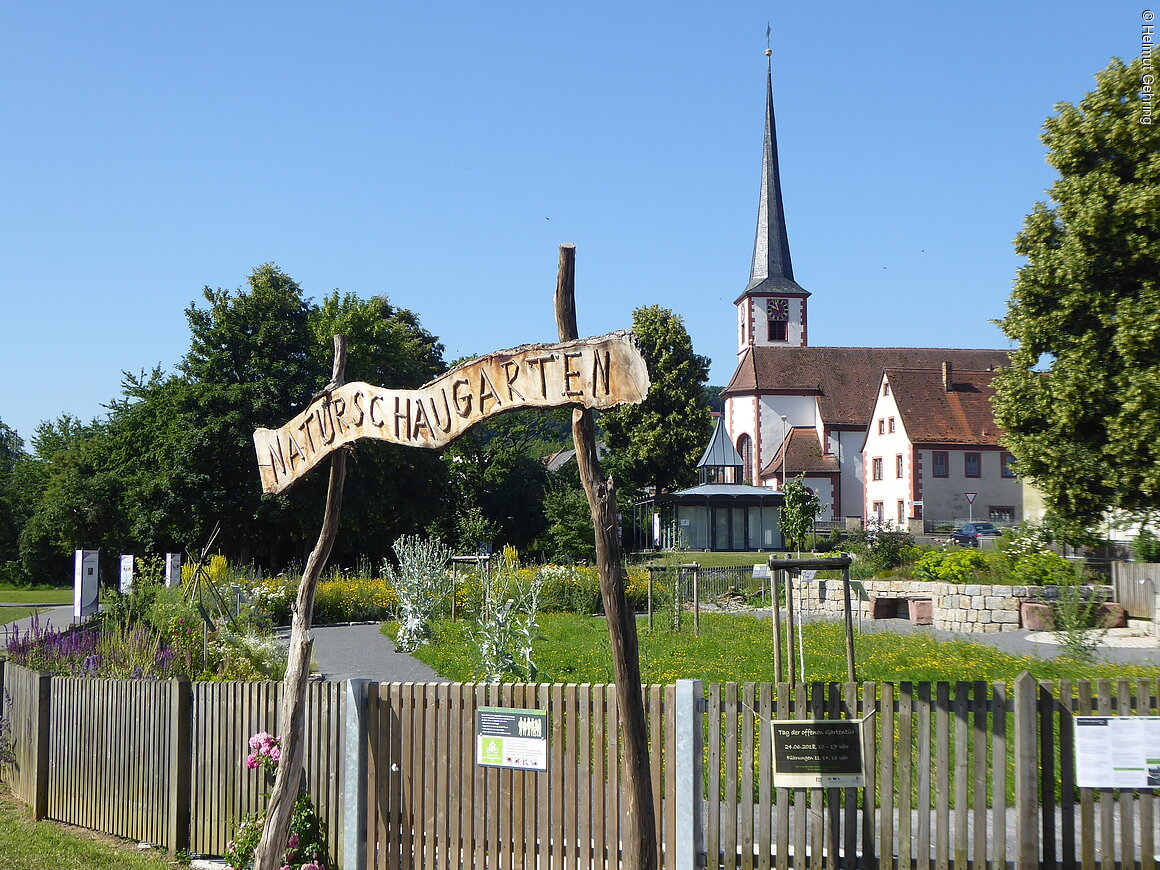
[745, 450]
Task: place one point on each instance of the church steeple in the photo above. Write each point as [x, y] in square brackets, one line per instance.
[772, 270]
[771, 310]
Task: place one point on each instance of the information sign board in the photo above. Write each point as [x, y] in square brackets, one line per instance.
[818, 753]
[1117, 751]
[506, 737]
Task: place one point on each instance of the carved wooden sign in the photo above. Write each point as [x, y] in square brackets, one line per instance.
[589, 373]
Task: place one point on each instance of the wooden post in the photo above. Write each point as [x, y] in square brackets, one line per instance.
[789, 625]
[1026, 773]
[775, 618]
[849, 616]
[640, 846]
[696, 598]
[268, 854]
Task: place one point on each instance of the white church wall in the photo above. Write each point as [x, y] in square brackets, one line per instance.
[847, 446]
[798, 411]
[741, 419]
[823, 488]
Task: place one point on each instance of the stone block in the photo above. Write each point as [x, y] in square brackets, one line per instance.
[993, 602]
[1008, 617]
[921, 611]
[985, 616]
[972, 589]
[1112, 615]
[1034, 616]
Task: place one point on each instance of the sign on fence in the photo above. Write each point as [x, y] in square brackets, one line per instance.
[818, 753]
[506, 737]
[1117, 751]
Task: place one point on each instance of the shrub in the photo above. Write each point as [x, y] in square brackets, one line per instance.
[421, 582]
[1043, 569]
[950, 566]
[271, 598]
[347, 598]
[883, 546]
[568, 589]
[247, 655]
[1147, 546]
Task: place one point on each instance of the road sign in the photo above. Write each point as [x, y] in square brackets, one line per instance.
[970, 497]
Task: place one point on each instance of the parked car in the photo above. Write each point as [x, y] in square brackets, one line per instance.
[968, 534]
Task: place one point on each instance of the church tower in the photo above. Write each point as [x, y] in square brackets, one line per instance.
[771, 311]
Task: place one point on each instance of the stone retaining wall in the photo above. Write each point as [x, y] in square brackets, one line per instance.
[960, 607]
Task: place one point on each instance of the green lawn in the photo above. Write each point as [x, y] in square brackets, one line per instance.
[30, 845]
[11, 614]
[738, 648]
[38, 595]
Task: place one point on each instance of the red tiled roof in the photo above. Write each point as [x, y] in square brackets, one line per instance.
[805, 455]
[931, 415]
[845, 379]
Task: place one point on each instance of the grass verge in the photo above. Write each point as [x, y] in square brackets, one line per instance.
[30, 845]
[11, 614]
[738, 648]
[38, 595]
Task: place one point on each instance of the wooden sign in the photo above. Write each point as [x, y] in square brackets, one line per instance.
[588, 373]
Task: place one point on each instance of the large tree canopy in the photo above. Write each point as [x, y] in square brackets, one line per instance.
[658, 442]
[174, 458]
[1081, 400]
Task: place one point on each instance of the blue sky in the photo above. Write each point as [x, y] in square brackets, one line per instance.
[440, 154]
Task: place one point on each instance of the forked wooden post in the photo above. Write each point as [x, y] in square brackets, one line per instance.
[268, 854]
[640, 846]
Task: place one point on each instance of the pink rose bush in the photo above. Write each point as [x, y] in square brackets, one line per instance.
[305, 847]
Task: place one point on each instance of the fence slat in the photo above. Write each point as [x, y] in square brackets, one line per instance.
[732, 734]
[764, 776]
[905, 772]
[1107, 804]
[748, 699]
[961, 772]
[924, 762]
[781, 795]
[1127, 797]
[886, 785]
[979, 784]
[1146, 706]
[942, 813]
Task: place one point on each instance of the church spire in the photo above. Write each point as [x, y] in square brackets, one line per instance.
[772, 271]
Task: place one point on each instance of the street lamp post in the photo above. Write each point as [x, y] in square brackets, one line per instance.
[784, 453]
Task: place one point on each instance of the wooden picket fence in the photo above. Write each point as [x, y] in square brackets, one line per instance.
[161, 761]
[430, 805]
[966, 775]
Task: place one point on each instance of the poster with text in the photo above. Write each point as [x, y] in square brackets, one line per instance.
[1117, 751]
[818, 753]
[512, 738]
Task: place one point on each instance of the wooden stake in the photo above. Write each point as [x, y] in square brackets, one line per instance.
[640, 846]
[268, 854]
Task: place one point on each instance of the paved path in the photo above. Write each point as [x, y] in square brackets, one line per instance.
[344, 652]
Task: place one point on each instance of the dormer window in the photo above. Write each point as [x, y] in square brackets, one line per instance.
[778, 314]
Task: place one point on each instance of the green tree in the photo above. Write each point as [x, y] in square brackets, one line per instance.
[798, 511]
[658, 442]
[11, 455]
[1080, 402]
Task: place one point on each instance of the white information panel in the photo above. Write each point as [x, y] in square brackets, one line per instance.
[1117, 751]
[172, 569]
[126, 575]
[86, 583]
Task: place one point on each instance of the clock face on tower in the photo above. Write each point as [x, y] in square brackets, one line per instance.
[778, 309]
